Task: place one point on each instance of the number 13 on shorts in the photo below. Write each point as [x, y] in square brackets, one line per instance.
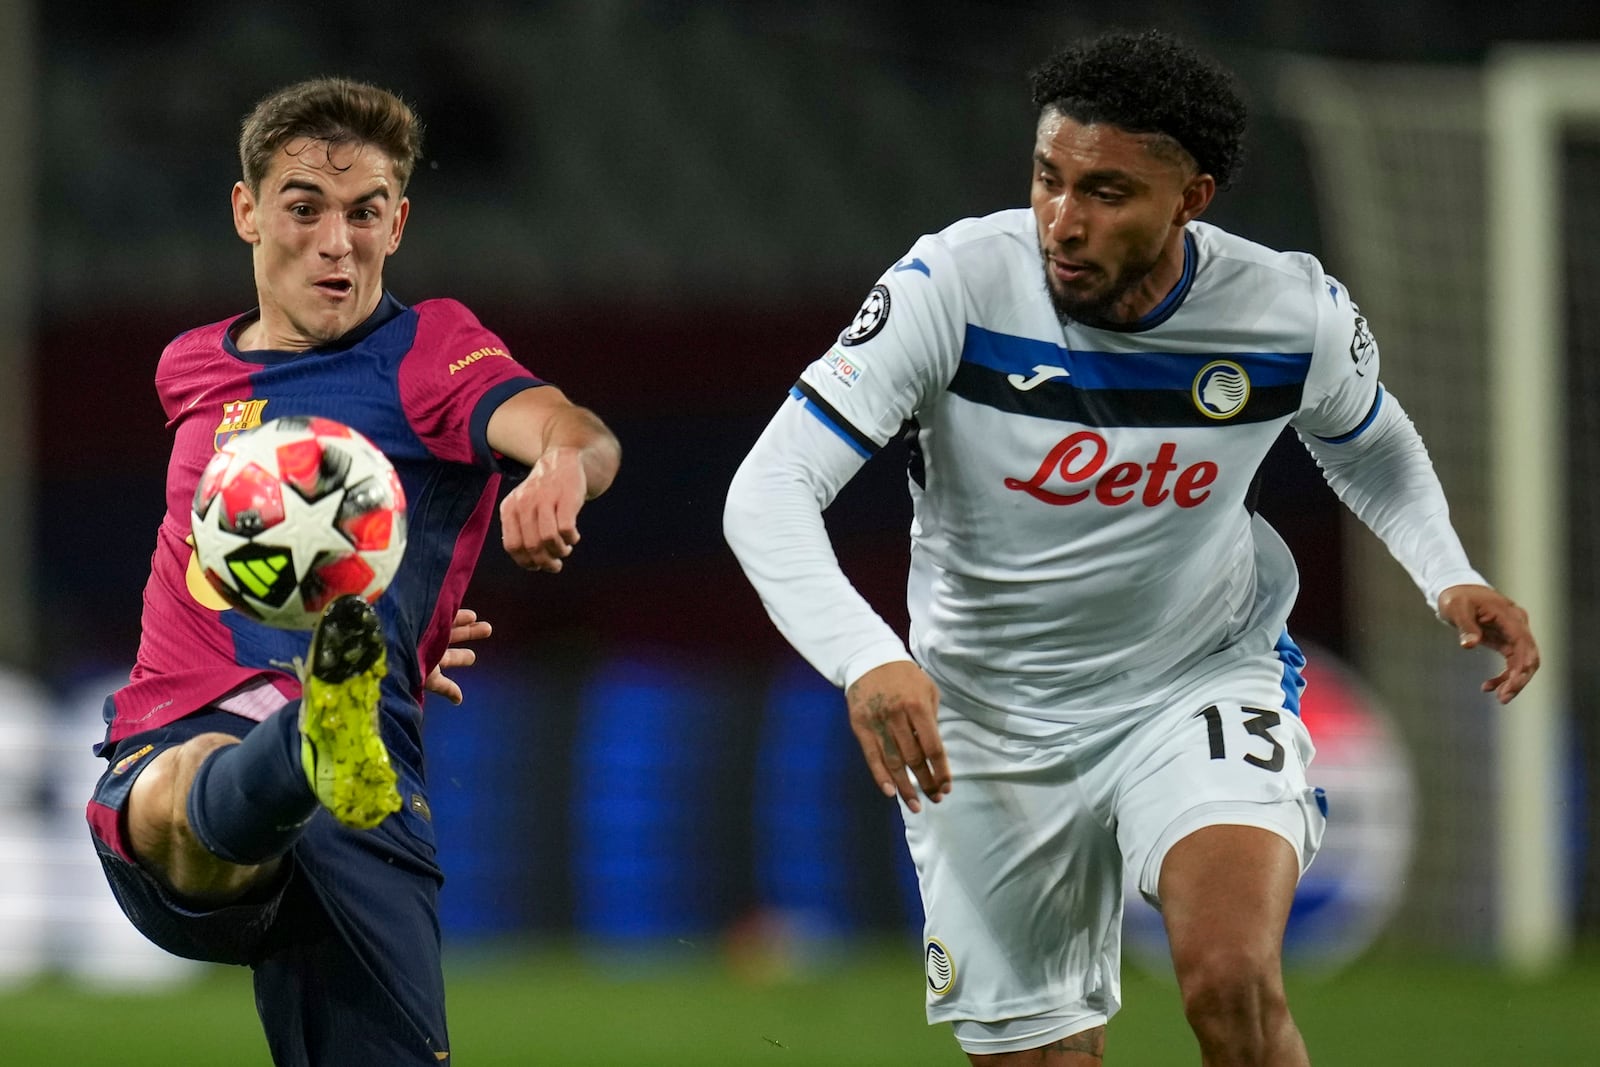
[1267, 752]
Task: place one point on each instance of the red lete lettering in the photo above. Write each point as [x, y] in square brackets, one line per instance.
[1078, 460]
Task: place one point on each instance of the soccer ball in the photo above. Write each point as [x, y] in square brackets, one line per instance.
[294, 513]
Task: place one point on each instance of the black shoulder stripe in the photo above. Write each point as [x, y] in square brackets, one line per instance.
[1360, 428]
[1063, 401]
[832, 414]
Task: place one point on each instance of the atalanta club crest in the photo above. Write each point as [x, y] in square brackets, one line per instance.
[941, 968]
[1221, 389]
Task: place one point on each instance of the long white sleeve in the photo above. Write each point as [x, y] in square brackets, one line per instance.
[1384, 475]
[773, 522]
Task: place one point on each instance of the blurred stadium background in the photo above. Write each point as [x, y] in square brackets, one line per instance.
[659, 845]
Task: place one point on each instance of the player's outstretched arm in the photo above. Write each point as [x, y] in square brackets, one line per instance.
[1385, 477]
[894, 713]
[572, 458]
[773, 522]
[1484, 616]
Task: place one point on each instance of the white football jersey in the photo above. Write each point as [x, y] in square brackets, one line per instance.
[1083, 525]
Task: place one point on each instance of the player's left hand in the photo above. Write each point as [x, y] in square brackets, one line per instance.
[539, 518]
[1483, 616]
[467, 627]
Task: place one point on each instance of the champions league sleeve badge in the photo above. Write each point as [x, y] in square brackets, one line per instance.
[870, 319]
[1362, 344]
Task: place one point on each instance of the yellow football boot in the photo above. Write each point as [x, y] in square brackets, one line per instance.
[343, 752]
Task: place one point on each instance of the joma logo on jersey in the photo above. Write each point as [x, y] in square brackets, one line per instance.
[472, 357]
[237, 416]
[1081, 460]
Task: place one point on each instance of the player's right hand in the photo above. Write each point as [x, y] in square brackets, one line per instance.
[539, 518]
[894, 713]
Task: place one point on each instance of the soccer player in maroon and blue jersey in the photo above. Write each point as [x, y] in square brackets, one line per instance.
[215, 820]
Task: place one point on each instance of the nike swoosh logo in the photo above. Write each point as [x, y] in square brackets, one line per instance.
[1041, 374]
[914, 264]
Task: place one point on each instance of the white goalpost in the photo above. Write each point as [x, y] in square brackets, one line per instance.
[1456, 201]
[1532, 97]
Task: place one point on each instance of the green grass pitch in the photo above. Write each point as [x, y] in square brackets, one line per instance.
[561, 1007]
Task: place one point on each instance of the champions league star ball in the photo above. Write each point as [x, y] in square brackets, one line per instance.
[294, 513]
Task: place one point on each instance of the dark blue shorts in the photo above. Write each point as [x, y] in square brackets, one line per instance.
[344, 944]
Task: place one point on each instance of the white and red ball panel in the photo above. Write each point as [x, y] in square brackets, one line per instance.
[294, 513]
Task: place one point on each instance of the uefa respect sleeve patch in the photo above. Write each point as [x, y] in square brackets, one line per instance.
[847, 371]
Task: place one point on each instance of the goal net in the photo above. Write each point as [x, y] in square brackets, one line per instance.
[1462, 206]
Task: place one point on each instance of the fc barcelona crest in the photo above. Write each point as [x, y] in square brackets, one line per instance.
[237, 416]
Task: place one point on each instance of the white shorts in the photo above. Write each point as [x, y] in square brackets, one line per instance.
[1021, 866]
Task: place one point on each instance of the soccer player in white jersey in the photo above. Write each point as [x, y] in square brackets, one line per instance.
[1099, 678]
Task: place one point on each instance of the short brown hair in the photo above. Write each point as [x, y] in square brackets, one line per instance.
[334, 110]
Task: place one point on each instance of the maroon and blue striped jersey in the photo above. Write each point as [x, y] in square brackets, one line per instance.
[421, 382]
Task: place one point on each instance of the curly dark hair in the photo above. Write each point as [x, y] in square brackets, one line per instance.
[1149, 82]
